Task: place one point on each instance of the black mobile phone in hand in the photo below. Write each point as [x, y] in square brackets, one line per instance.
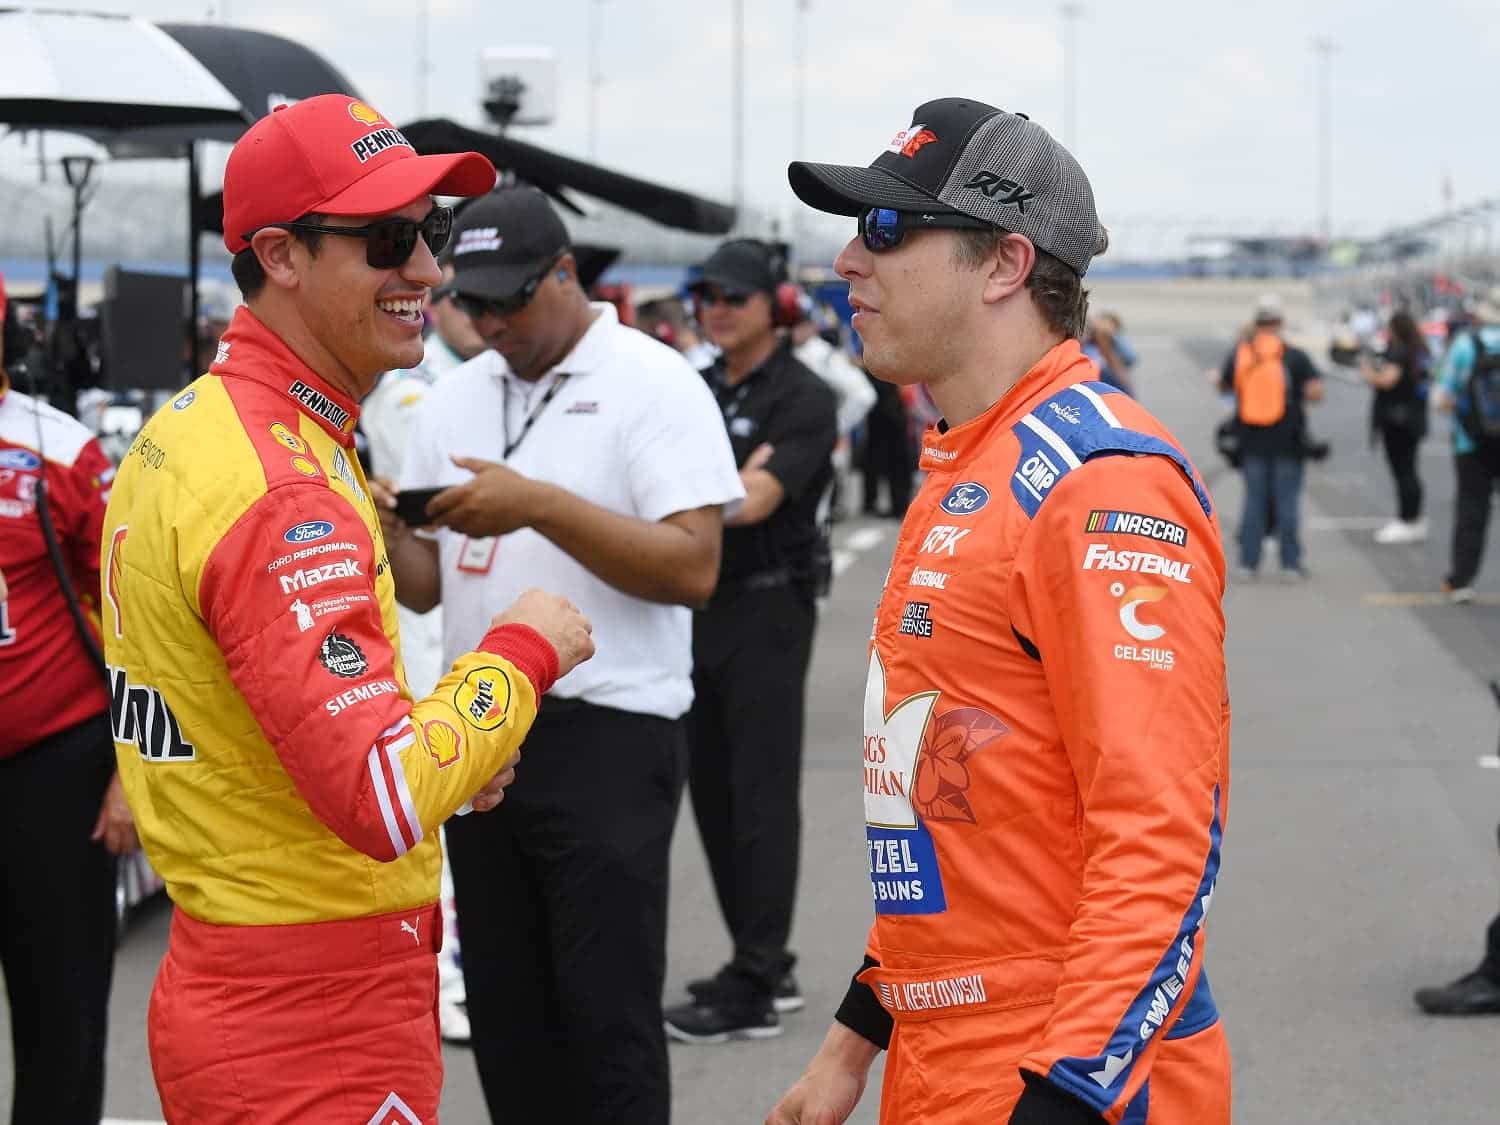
[411, 505]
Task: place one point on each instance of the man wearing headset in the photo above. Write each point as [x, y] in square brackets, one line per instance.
[586, 452]
[752, 643]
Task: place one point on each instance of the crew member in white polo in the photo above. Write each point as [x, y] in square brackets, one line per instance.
[592, 455]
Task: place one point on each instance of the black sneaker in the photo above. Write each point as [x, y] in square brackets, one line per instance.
[719, 1023]
[1473, 994]
[787, 996]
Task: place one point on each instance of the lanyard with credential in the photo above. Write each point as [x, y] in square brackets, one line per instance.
[512, 446]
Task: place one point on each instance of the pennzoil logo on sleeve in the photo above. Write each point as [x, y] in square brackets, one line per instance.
[1136, 523]
[483, 699]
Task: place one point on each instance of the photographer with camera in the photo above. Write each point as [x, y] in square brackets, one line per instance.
[1271, 380]
[753, 642]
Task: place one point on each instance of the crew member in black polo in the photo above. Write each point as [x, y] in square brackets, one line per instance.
[752, 643]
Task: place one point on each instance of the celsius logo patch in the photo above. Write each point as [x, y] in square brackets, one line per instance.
[965, 499]
[308, 532]
[1130, 602]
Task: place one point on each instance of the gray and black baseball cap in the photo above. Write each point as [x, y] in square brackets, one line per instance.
[961, 156]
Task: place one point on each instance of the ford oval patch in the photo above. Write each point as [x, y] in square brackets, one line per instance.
[19, 459]
[307, 532]
[965, 499]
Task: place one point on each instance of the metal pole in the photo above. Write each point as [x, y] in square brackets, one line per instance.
[596, 80]
[1070, 14]
[800, 150]
[1324, 48]
[739, 110]
[195, 188]
[422, 59]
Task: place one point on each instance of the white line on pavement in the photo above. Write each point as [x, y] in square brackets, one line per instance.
[1489, 762]
[863, 538]
[1346, 523]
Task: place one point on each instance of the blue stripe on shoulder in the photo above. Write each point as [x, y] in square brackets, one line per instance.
[1138, 1112]
[1071, 427]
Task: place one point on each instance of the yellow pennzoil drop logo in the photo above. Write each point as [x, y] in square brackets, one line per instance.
[483, 699]
[444, 742]
[364, 114]
[287, 438]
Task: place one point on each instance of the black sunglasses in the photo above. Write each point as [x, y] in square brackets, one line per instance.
[707, 295]
[884, 228]
[388, 242]
[475, 306]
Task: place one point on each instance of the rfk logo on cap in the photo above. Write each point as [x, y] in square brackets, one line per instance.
[478, 238]
[908, 141]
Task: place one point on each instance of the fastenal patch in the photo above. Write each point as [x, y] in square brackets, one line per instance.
[483, 699]
[1135, 523]
[341, 656]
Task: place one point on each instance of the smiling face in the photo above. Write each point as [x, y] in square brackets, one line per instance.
[913, 305]
[365, 321]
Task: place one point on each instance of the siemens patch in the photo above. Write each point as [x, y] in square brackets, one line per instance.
[1134, 523]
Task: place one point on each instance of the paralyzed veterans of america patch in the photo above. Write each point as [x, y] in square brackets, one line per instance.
[1136, 523]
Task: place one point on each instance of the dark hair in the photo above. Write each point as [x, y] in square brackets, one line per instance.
[1056, 289]
[1404, 331]
[246, 268]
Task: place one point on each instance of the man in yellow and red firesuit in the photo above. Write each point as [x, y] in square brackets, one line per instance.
[287, 786]
[1046, 742]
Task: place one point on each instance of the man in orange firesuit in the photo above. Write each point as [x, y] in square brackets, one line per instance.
[1046, 718]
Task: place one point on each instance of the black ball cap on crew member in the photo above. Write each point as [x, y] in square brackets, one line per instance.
[740, 267]
[961, 156]
[501, 241]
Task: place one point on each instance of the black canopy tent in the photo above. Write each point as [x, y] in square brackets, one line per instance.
[556, 175]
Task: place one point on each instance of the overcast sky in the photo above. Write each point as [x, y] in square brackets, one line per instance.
[1189, 115]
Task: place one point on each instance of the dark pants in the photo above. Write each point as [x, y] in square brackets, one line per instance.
[888, 457]
[562, 903]
[750, 657]
[1490, 966]
[1271, 482]
[57, 923]
[1401, 453]
[1478, 473]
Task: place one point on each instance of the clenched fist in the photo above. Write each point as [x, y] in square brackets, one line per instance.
[557, 619]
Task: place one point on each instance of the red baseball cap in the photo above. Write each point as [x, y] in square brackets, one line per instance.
[334, 155]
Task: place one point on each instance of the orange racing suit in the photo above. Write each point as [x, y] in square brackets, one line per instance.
[1046, 766]
[285, 783]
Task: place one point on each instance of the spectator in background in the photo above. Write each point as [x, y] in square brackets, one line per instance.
[753, 642]
[63, 816]
[854, 395]
[1476, 460]
[452, 339]
[1105, 343]
[584, 453]
[1270, 380]
[1398, 416]
[888, 456]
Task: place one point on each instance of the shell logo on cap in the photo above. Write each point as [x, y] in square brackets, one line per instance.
[364, 114]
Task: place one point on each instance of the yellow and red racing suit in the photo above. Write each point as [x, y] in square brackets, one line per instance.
[1046, 766]
[284, 782]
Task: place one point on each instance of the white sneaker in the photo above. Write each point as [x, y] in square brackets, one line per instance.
[454, 1021]
[1458, 595]
[1402, 531]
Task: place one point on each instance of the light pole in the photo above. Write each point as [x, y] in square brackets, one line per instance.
[596, 79]
[421, 59]
[1070, 14]
[1324, 48]
[739, 111]
[800, 132]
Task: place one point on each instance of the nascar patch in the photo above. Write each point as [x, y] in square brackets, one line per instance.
[1136, 523]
